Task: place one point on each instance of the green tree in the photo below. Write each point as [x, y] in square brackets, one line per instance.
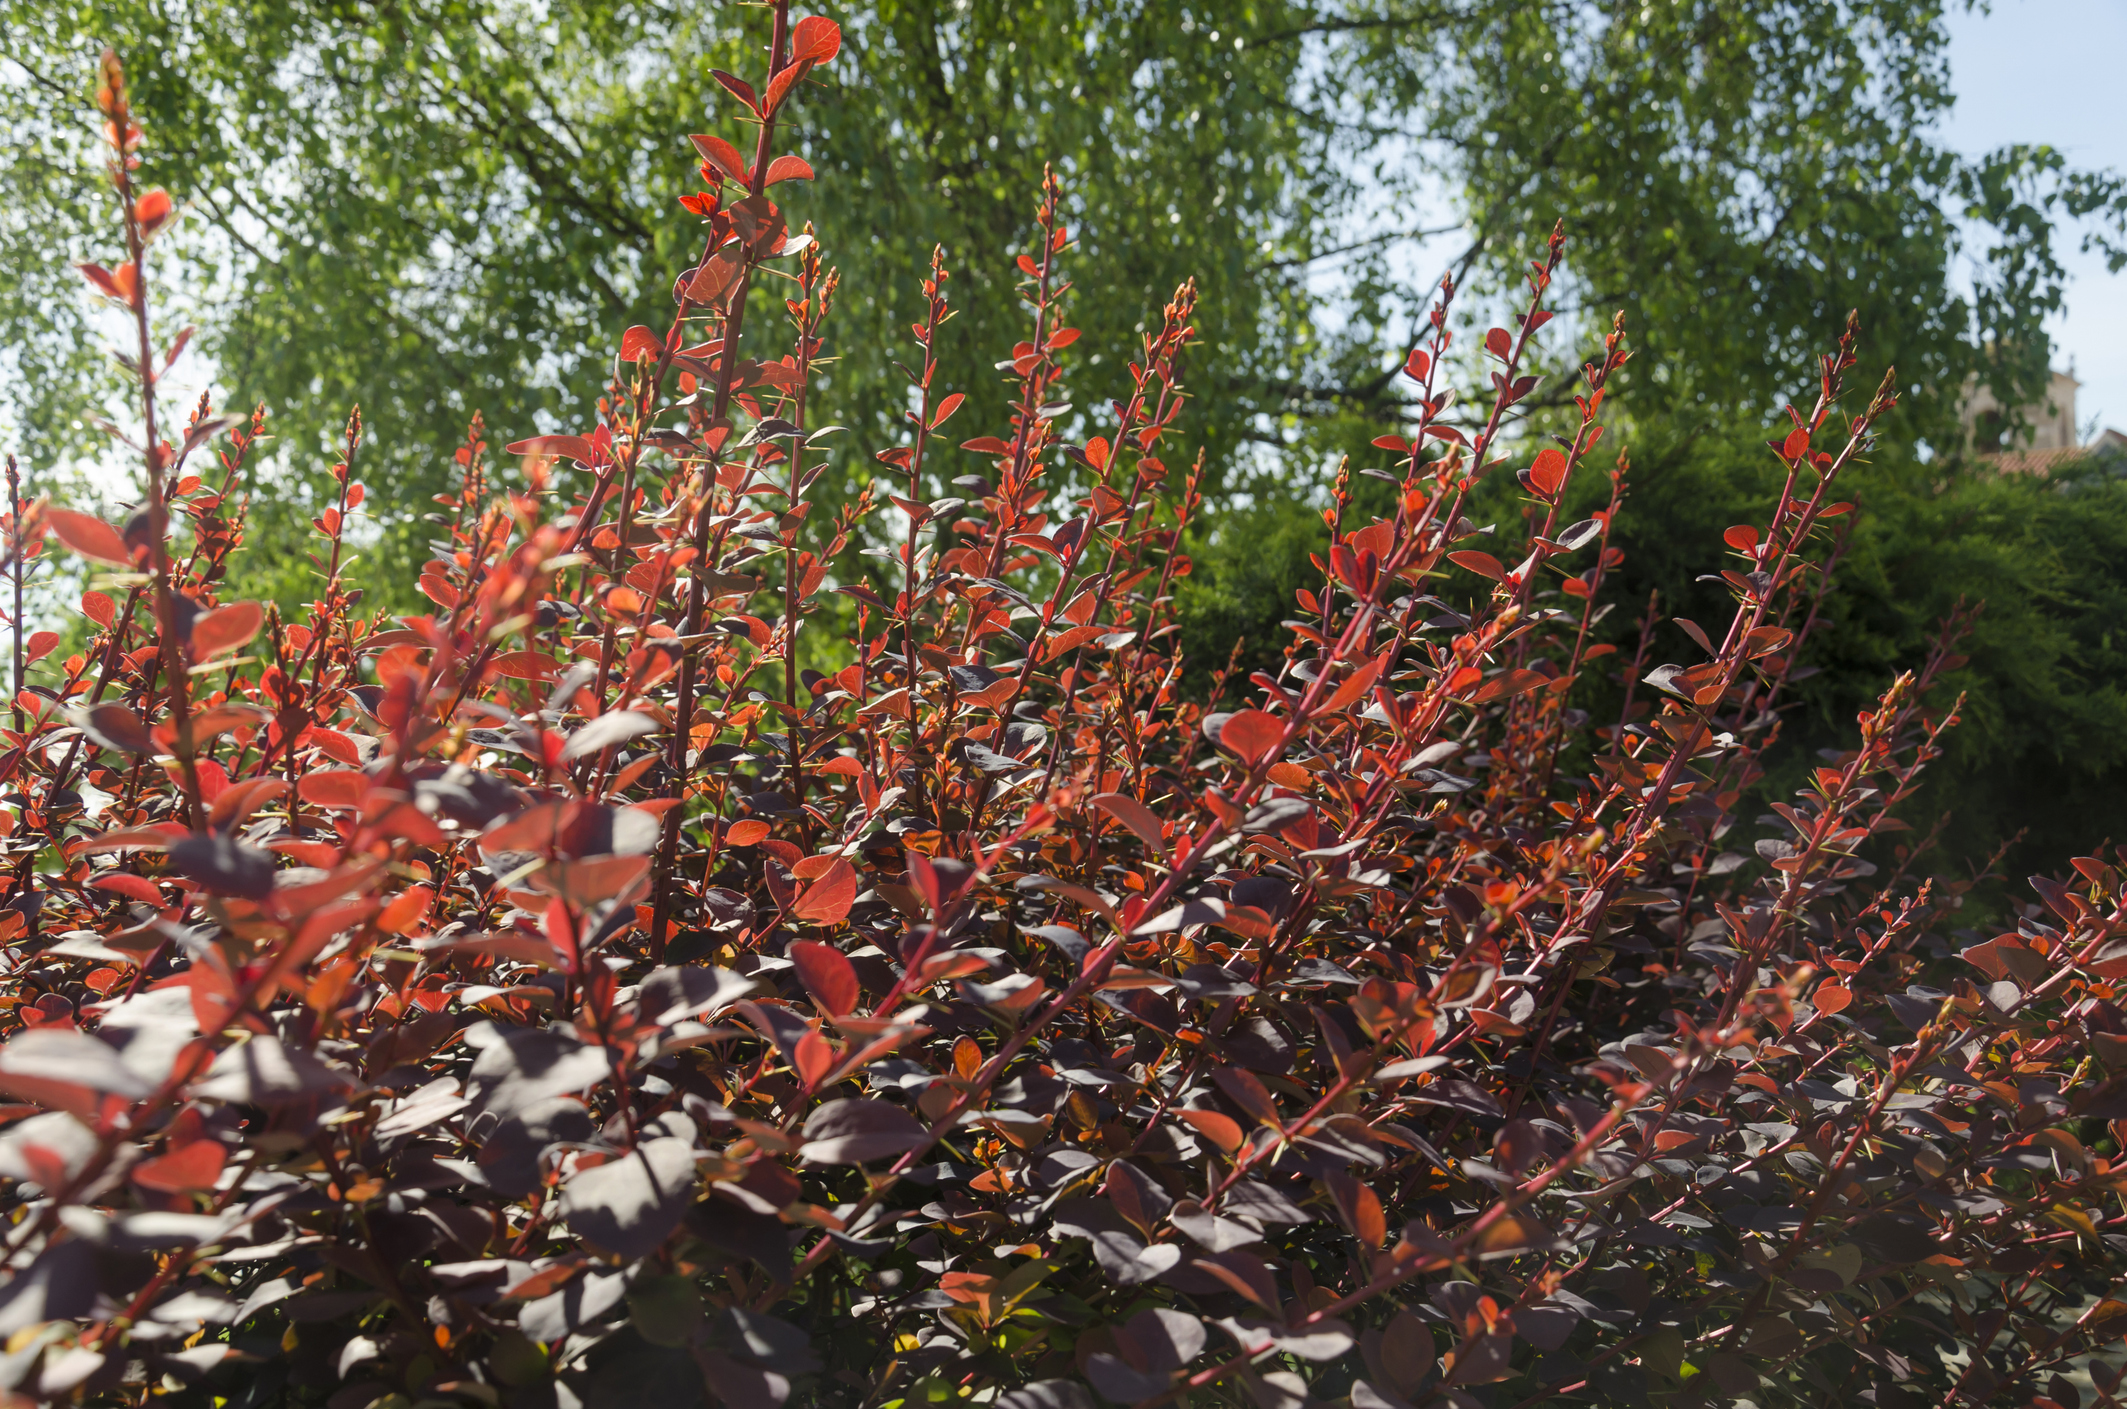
[482, 197]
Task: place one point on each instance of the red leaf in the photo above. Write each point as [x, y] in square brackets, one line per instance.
[1499, 342]
[1506, 684]
[1548, 474]
[1222, 1130]
[986, 445]
[90, 537]
[1767, 639]
[125, 883]
[1062, 338]
[1244, 1090]
[1392, 442]
[748, 833]
[1483, 564]
[737, 87]
[815, 38]
[714, 279]
[1743, 538]
[1417, 365]
[639, 342]
[225, 628]
[829, 898]
[1136, 816]
[187, 1169]
[116, 727]
[779, 87]
[789, 169]
[99, 608]
[1361, 1209]
[826, 974]
[574, 447]
[946, 408]
[723, 156]
[813, 1057]
[152, 209]
[1251, 734]
[1797, 444]
[1360, 681]
[334, 788]
[99, 276]
[40, 645]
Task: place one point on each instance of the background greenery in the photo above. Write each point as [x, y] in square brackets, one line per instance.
[432, 207]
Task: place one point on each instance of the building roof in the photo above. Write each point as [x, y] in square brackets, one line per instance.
[2045, 462]
[2037, 462]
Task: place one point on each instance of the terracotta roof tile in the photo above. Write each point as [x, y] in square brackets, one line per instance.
[2037, 462]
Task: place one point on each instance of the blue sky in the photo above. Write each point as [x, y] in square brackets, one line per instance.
[2049, 71]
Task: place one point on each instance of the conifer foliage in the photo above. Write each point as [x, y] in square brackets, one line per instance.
[562, 998]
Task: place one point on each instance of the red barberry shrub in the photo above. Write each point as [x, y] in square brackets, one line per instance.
[563, 998]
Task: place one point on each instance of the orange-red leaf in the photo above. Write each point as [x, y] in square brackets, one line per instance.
[188, 1169]
[723, 156]
[523, 665]
[816, 39]
[1483, 564]
[225, 629]
[1251, 734]
[1222, 1130]
[828, 899]
[1136, 816]
[101, 279]
[1506, 684]
[1354, 687]
[338, 787]
[1548, 475]
[826, 974]
[714, 279]
[737, 87]
[90, 537]
[152, 209]
[779, 87]
[575, 447]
